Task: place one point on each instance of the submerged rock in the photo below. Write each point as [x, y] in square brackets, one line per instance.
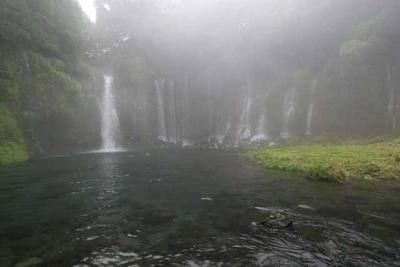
[276, 220]
[30, 262]
[158, 216]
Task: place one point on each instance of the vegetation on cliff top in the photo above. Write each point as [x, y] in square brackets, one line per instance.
[369, 160]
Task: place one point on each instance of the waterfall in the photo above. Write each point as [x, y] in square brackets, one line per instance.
[28, 82]
[245, 117]
[29, 96]
[109, 117]
[261, 133]
[162, 129]
[391, 114]
[172, 137]
[311, 107]
[223, 132]
[184, 108]
[288, 111]
[244, 125]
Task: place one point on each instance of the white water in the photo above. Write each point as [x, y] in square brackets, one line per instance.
[109, 118]
[288, 112]
[223, 132]
[244, 125]
[172, 135]
[261, 131]
[311, 107]
[162, 129]
[244, 129]
[391, 114]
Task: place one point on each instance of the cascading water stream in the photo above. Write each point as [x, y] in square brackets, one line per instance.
[172, 131]
[261, 133]
[109, 117]
[223, 132]
[288, 112]
[311, 107]
[244, 125]
[28, 86]
[244, 129]
[162, 129]
[391, 115]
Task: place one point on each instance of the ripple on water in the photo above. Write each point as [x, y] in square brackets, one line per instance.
[189, 208]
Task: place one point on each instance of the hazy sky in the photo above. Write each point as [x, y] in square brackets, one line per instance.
[88, 7]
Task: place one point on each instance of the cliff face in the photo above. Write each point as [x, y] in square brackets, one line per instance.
[233, 71]
[46, 89]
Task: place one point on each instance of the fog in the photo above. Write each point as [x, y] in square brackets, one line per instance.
[199, 132]
[220, 72]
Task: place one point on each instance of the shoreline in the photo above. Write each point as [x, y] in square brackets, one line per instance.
[337, 162]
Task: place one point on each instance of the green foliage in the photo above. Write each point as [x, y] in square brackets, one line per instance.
[10, 79]
[45, 89]
[58, 94]
[12, 145]
[53, 27]
[11, 152]
[337, 162]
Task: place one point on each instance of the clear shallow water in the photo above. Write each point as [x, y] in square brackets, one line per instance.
[146, 209]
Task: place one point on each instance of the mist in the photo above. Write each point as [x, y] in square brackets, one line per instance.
[241, 70]
[199, 133]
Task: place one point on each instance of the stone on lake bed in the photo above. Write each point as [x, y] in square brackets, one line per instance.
[305, 207]
[158, 216]
[30, 262]
[269, 209]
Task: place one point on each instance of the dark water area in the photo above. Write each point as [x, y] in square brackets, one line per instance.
[190, 208]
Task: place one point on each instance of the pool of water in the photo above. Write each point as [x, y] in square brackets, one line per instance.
[190, 208]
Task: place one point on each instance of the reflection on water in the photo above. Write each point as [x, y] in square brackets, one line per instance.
[189, 208]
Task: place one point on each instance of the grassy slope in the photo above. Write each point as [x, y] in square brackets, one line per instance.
[335, 161]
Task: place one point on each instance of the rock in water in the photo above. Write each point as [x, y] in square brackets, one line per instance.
[30, 262]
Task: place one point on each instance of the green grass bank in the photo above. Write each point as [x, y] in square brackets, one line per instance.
[366, 159]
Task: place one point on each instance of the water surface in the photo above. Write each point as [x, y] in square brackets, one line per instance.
[190, 208]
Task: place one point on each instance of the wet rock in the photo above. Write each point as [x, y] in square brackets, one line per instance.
[276, 220]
